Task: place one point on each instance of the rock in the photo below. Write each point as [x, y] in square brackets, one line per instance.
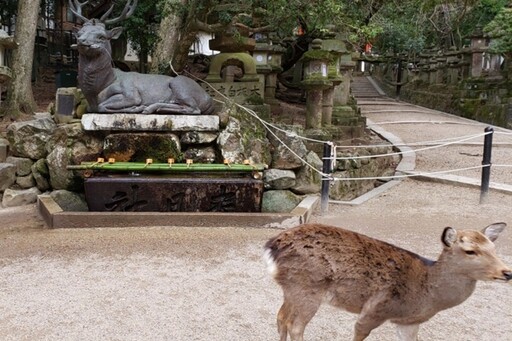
[26, 181]
[28, 138]
[22, 197]
[70, 146]
[137, 147]
[278, 179]
[7, 175]
[309, 181]
[230, 142]
[70, 201]
[282, 157]
[196, 137]
[201, 155]
[4, 149]
[41, 175]
[23, 165]
[280, 201]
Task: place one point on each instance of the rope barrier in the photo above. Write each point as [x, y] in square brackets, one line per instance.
[421, 143]
[402, 176]
[408, 151]
[432, 122]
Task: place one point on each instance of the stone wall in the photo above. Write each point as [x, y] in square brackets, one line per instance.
[470, 82]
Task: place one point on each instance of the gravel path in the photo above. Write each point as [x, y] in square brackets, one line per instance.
[210, 284]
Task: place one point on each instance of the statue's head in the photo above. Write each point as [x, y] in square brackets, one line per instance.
[93, 38]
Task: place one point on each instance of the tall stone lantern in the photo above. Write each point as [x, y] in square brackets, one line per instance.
[315, 80]
[6, 42]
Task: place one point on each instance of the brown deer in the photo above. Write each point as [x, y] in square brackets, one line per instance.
[112, 90]
[316, 263]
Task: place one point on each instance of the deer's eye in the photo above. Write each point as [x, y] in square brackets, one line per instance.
[470, 252]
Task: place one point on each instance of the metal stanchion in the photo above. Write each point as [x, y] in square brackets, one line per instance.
[326, 170]
[486, 162]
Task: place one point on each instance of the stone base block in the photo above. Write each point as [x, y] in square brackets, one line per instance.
[161, 194]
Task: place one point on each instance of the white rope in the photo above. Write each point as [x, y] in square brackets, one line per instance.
[401, 176]
[432, 122]
[408, 151]
[421, 143]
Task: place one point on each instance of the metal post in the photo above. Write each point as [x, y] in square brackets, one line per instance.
[486, 163]
[326, 170]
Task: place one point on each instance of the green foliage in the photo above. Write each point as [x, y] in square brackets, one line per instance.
[500, 30]
[142, 27]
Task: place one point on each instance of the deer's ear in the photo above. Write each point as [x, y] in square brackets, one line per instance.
[492, 231]
[115, 32]
[449, 236]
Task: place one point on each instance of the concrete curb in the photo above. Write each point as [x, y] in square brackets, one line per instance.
[55, 217]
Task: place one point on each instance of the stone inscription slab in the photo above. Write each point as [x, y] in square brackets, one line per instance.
[158, 194]
[237, 91]
[140, 122]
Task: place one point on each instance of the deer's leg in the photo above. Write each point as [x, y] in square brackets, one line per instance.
[169, 108]
[295, 314]
[117, 98]
[372, 315]
[407, 332]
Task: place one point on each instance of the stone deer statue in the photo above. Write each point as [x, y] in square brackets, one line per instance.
[111, 90]
[316, 263]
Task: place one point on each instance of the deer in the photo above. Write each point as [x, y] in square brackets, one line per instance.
[315, 263]
[110, 90]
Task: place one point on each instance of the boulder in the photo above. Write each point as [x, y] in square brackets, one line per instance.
[70, 146]
[278, 179]
[288, 150]
[70, 201]
[309, 181]
[28, 138]
[197, 137]
[26, 181]
[23, 165]
[4, 149]
[201, 155]
[279, 201]
[7, 175]
[230, 142]
[137, 147]
[21, 197]
[41, 175]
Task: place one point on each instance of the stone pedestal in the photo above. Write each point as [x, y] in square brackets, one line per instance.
[161, 194]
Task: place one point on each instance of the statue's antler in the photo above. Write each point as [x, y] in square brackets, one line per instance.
[76, 7]
[128, 10]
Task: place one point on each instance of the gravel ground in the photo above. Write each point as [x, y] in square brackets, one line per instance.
[210, 283]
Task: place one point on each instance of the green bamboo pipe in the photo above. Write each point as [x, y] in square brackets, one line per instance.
[166, 167]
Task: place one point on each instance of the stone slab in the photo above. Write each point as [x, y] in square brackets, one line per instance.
[141, 122]
[236, 91]
[55, 217]
[173, 194]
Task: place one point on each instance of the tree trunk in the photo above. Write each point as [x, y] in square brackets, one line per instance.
[169, 34]
[19, 94]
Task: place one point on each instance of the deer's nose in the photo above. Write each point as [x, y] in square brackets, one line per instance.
[507, 274]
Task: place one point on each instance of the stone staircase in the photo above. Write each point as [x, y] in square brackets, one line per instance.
[362, 87]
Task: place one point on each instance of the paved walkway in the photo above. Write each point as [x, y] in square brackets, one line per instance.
[436, 145]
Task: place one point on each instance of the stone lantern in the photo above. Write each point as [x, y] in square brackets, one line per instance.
[478, 47]
[268, 63]
[315, 81]
[6, 42]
